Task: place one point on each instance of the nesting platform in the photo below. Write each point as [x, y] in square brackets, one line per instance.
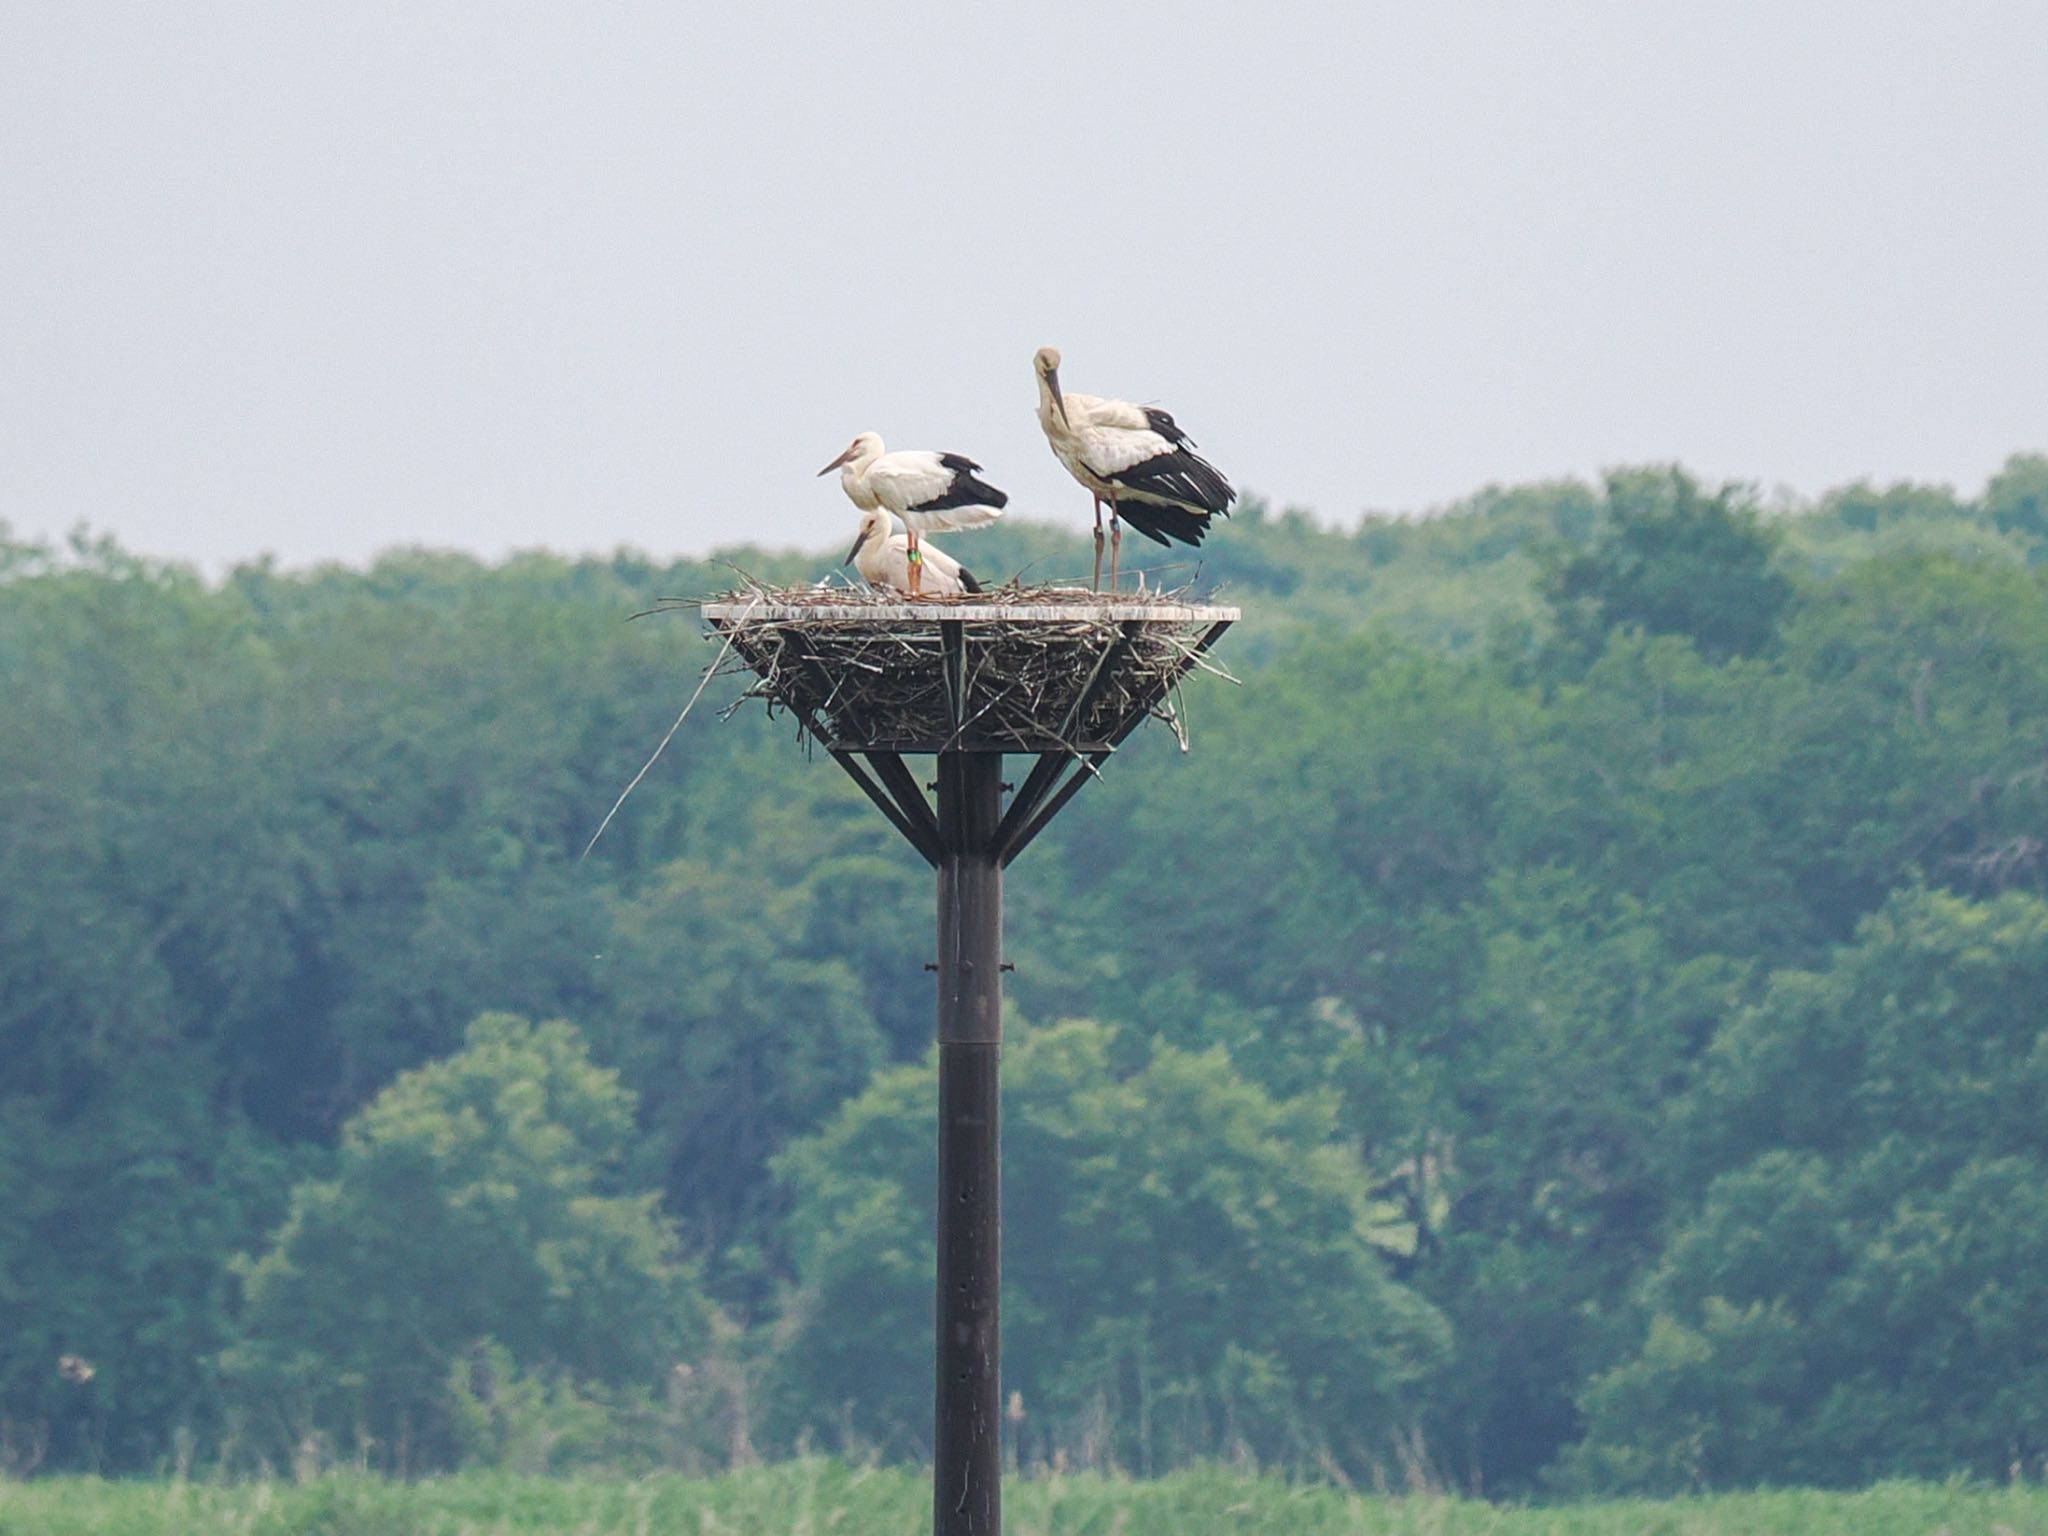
[1062, 674]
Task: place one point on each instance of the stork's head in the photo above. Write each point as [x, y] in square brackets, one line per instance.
[862, 449]
[1045, 362]
[873, 525]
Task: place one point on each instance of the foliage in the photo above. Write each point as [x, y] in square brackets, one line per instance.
[1134, 1199]
[2016, 501]
[1867, 1289]
[1585, 1025]
[1672, 559]
[1600, 924]
[467, 1211]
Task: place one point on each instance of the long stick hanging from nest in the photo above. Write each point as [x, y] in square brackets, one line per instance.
[702, 683]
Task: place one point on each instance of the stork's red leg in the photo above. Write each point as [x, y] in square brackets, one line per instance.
[1116, 543]
[916, 558]
[1097, 583]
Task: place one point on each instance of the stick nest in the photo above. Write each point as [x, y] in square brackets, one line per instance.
[1013, 669]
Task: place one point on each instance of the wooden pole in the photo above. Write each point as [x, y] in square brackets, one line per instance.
[967, 1427]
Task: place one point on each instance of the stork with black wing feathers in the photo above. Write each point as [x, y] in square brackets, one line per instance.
[1133, 458]
[931, 492]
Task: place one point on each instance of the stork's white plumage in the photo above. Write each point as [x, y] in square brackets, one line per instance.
[931, 492]
[1135, 458]
[883, 560]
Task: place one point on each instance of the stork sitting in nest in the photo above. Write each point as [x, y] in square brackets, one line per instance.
[883, 560]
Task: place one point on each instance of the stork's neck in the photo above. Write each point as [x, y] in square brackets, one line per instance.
[854, 472]
[1048, 413]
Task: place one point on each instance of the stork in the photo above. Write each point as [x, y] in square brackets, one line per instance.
[883, 560]
[1134, 458]
[931, 492]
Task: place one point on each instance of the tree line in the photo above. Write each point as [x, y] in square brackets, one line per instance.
[1571, 1023]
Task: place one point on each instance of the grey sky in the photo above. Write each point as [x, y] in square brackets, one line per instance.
[321, 278]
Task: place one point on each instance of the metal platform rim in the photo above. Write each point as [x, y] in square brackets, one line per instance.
[971, 613]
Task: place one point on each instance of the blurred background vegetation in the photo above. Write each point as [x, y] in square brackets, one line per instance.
[1574, 1023]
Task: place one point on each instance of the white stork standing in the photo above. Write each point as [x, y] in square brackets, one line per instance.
[1133, 457]
[883, 560]
[931, 492]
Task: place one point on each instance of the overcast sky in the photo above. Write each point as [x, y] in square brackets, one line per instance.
[321, 278]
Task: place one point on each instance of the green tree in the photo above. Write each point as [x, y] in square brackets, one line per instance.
[1672, 558]
[2016, 500]
[743, 1032]
[1908, 729]
[1869, 1280]
[1190, 1265]
[471, 1202]
[1350, 799]
[1585, 1029]
[116, 1214]
[145, 860]
[1661, 776]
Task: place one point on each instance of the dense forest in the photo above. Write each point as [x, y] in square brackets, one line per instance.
[1574, 1022]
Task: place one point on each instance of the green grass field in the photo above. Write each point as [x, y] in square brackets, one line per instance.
[820, 1498]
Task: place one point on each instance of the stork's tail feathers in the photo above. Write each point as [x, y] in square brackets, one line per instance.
[1212, 492]
[1181, 477]
[973, 490]
[1163, 524]
[967, 580]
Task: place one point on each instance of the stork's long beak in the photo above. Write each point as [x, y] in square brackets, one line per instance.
[1052, 382]
[858, 539]
[836, 463]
